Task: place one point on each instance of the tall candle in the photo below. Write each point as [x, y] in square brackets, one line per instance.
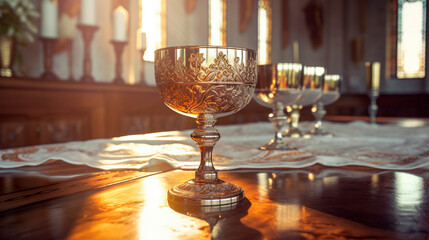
[372, 75]
[67, 26]
[375, 75]
[120, 24]
[141, 40]
[49, 28]
[295, 52]
[87, 12]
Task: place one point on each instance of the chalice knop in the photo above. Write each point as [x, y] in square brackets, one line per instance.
[205, 82]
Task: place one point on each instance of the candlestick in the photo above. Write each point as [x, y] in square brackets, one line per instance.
[373, 108]
[373, 84]
[142, 77]
[120, 24]
[7, 56]
[88, 13]
[48, 45]
[87, 34]
[49, 21]
[119, 48]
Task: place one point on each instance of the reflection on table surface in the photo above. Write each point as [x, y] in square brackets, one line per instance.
[312, 203]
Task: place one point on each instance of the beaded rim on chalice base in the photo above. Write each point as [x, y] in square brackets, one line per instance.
[205, 82]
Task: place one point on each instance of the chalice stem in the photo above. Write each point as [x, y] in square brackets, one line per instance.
[294, 115]
[319, 114]
[206, 137]
[278, 119]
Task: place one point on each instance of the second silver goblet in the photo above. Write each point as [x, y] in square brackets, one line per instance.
[311, 93]
[278, 86]
[331, 93]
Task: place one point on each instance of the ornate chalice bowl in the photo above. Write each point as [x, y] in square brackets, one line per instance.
[205, 82]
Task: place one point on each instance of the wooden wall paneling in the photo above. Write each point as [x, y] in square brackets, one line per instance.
[138, 112]
[51, 115]
[15, 132]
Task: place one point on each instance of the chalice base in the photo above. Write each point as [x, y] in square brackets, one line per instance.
[277, 145]
[215, 193]
[293, 133]
[320, 132]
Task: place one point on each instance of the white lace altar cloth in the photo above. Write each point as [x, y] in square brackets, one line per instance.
[354, 144]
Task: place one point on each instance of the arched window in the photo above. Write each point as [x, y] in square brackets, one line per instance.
[217, 22]
[407, 53]
[264, 31]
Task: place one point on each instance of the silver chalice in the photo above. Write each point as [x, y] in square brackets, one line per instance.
[205, 82]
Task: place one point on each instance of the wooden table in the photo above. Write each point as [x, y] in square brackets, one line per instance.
[311, 203]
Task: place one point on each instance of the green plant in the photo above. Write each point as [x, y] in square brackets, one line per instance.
[17, 20]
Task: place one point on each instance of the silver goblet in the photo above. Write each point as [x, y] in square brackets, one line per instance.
[331, 93]
[278, 86]
[311, 93]
[205, 82]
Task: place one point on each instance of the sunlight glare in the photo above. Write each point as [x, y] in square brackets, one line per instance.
[263, 36]
[409, 191]
[411, 47]
[158, 221]
[216, 28]
[152, 26]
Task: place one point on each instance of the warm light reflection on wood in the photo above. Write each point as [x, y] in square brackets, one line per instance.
[262, 184]
[288, 216]
[311, 176]
[336, 204]
[409, 191]
[155, 217]
[330, 180]
[136, 210]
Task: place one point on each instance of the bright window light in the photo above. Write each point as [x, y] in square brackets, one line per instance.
[264, 31]
[153, 24]
[411, 39]
[217, 22]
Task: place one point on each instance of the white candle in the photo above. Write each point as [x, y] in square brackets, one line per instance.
[141, 40]
[67, 26]
[295, 52]
[87, 12]
[49, 28]
[375, 75]
[372, 75]
[120, 24]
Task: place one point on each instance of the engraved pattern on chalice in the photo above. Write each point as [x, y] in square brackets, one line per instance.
[205, 83]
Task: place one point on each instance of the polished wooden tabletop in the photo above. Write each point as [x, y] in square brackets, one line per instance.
[312, 203]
